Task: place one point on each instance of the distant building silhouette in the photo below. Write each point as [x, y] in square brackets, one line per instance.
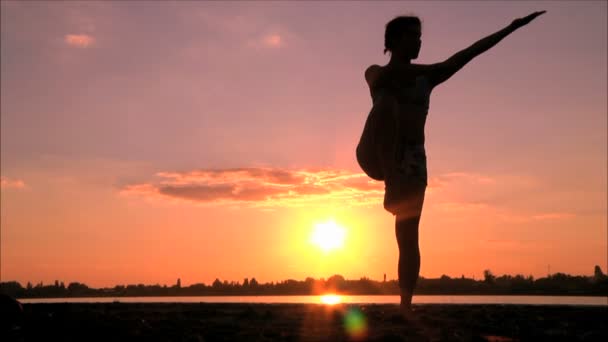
[598, 274]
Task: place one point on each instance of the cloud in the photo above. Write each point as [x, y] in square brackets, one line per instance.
[79, 40]
[6, 182]
[461, 178]
[252, 28]
[460, 207]
[494, 189]
[509, 198]
[553, 216]
[458, 195]
[263, 187]
[272, 40]
[518, 217]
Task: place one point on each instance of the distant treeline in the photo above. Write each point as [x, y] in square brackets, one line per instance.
[555, 284]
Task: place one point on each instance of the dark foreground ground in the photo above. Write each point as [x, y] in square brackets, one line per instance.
[307, 322]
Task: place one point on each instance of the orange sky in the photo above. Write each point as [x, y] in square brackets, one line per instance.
[145, 142]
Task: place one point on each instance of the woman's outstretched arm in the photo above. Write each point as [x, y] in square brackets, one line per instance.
[440, 72]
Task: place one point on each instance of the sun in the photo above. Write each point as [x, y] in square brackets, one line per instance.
[328, 236]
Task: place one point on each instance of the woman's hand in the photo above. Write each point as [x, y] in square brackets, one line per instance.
[519, 22]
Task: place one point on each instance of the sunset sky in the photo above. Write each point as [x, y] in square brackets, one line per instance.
[143, 142]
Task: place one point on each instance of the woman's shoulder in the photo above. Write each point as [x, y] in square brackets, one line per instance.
[372, 73]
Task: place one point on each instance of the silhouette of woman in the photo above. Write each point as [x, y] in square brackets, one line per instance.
[391, 147]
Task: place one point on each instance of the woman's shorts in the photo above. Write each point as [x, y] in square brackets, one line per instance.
[405, 185]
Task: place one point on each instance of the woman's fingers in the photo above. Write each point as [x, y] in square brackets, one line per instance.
[530, 17]
[527, 19]
[536, 14]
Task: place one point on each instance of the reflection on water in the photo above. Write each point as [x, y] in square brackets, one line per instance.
[345, 299]
[330, 299]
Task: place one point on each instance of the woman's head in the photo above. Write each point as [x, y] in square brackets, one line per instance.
[402, 36]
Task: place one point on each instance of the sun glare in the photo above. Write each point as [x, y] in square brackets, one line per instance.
[330, 299]
[328, 236]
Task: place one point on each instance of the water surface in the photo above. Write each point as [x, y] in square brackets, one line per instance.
[347, 299]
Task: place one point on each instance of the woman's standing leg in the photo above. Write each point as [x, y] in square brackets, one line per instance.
[407, 222]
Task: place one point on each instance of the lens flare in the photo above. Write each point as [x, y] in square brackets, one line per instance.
[330, 299]
[355, 324]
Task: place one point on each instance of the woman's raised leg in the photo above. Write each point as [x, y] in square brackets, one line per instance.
[375, 151]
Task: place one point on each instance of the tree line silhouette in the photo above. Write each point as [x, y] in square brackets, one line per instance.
[554, 284]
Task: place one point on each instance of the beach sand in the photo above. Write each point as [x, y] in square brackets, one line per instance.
[307, 322]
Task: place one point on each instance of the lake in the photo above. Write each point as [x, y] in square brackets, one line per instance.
[333, 299]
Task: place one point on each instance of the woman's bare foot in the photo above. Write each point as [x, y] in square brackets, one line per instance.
[407, 313]
[410, 316]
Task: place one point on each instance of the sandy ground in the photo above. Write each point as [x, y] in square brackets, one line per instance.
[307, 322]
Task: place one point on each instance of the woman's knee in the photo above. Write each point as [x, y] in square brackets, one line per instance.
[407, 232]
[407, 225]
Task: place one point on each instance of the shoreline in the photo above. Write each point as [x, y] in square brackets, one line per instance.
[308, 322]
[340, 298]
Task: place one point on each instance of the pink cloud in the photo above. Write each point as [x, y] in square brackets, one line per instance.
[6, 182]
[262, 187]
[469, 193]
[553, 216]
[467, 177]
[79, 40]
[458, 194]
[272, 40]
[459, 207]
[517, 217]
